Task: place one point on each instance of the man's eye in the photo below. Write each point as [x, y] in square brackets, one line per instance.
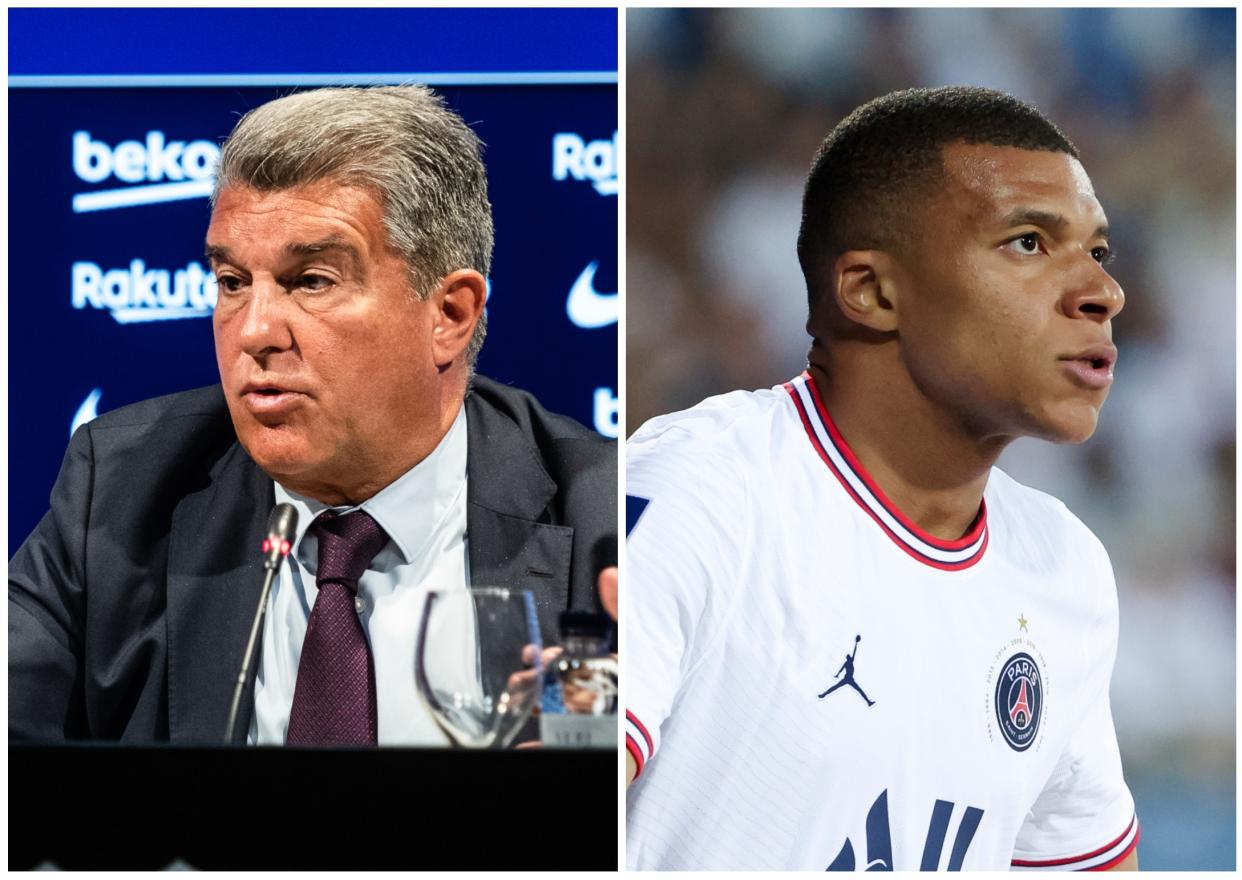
[228, 283]
[1102, 255]
[1028, 243]
[314, 282]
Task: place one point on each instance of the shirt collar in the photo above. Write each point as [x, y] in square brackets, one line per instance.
[411, 507]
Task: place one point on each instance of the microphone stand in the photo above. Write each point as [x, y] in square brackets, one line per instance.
[281, 527]
[243, 676]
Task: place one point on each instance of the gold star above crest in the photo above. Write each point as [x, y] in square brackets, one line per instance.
[1022, 622]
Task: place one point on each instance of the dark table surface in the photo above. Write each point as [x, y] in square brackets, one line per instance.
[120, 807]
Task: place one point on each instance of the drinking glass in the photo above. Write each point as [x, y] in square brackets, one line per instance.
[478, 663]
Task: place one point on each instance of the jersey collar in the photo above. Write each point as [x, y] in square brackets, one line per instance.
[858, 484]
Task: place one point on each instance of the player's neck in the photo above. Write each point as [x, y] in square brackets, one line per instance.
[924, 461]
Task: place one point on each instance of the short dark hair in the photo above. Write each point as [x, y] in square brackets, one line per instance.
[883, 156]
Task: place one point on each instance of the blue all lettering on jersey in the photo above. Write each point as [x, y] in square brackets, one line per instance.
[634, 507]
[1019, 701]
[880, 839]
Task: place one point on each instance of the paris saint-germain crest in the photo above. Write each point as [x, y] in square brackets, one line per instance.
[1019, 701]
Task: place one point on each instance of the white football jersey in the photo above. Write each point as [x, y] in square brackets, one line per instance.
[816, 683]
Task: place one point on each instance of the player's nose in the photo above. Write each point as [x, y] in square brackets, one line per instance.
[1093, 293]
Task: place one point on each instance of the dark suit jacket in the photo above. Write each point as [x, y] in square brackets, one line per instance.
[131, 602]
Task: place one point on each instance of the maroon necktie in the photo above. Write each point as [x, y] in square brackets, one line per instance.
[334, 699]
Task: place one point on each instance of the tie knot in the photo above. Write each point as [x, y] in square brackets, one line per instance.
[347, 544]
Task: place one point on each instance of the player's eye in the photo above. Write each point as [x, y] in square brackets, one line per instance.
[1102, 255]
[1028, 243]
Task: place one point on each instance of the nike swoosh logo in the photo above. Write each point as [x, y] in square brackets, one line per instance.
[587, 307]
[871, 865]
[87, 411]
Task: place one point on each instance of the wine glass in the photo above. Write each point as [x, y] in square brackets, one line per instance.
[478, 663]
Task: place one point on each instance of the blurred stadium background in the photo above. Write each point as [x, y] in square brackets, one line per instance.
[724, 111]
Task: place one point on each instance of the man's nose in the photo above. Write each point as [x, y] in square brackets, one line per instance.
[1093, 293]
[265, 324]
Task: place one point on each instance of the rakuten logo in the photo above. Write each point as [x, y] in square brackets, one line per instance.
[138, 294]
[189, 168]
[595, 161]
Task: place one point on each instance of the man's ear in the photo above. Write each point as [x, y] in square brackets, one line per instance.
[458, 304]
[866, 289]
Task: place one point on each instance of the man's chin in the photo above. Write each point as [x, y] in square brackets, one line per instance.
[1071, 425]
[282, 457]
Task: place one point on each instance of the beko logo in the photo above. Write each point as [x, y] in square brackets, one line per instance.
[138, 294]
[595, 161]
[159, 170]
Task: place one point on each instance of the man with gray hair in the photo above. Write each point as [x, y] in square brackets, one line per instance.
[350, 237]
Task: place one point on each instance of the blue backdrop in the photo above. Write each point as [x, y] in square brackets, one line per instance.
[113, 128]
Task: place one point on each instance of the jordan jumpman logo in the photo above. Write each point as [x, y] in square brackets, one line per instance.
[848, 668]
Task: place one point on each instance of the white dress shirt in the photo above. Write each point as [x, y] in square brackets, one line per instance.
[424, 514]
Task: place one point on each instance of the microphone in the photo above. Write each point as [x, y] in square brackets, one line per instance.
[282, 525]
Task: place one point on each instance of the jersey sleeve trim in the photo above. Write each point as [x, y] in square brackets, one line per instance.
[638, 741]
[1097, 860]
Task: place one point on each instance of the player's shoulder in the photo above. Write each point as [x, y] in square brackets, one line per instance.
[719, 423]
[1029, 504]
[1043, 518]
[729, 430]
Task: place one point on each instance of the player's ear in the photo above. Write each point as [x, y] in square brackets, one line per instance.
[458, 304]
[865, 288]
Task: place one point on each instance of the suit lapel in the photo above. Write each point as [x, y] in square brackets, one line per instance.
[215, 575]
[508, 492]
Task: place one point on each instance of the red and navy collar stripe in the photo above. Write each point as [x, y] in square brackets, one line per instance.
[845, 466]
[1102, 859]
